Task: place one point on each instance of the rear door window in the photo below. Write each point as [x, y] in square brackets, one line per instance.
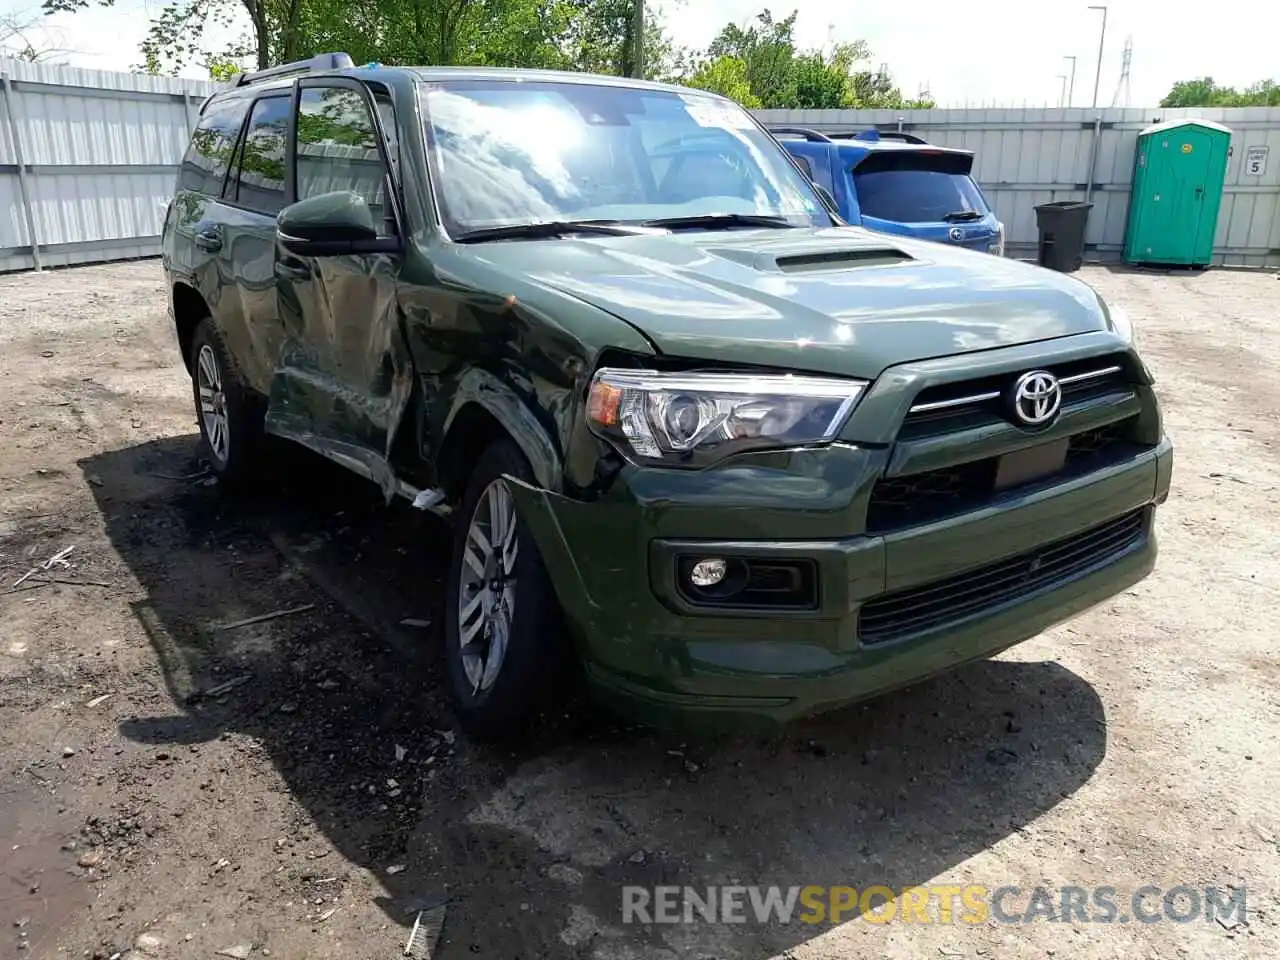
[208, 156]
[258, 180]
[917, 187]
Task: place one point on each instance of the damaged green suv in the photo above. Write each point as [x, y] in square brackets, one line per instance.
[739, 461]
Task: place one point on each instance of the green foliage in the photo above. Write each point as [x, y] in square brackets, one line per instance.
[758, 64]
[725, 75]
[777, 74]
[1203, 92]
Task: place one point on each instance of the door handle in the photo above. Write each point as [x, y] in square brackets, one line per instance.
[209, 240]
[292, 271]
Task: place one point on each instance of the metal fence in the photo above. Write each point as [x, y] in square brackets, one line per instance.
[88, 158]
[1027, 157]
[87, 161]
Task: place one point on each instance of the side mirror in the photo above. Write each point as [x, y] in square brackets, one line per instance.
[331, 225]
[825, 194]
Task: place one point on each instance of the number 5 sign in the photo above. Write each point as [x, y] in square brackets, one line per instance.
[1255, 160]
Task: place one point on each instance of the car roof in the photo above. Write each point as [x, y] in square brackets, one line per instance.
[877, 146]
[374, 71]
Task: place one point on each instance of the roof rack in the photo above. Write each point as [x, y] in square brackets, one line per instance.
[813, 136]
[321, 61]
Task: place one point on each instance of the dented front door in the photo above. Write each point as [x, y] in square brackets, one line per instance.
[344, 373]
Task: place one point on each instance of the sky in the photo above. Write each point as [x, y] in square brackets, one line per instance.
[965, 52]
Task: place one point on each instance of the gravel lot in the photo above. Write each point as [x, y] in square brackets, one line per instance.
[172, 788]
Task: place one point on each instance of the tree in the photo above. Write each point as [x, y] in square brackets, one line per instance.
[725, 75]
[1203, 92]
[18, 38]
[778, 74]
[767, 48]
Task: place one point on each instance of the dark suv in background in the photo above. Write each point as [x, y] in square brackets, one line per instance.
[741, 461]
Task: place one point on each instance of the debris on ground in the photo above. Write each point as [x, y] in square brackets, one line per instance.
[264, 617]
[424, 936]
[414, 622]
[239, 951]
[225, 687]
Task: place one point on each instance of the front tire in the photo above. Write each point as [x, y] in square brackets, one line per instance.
[230, 418]
[505, 651]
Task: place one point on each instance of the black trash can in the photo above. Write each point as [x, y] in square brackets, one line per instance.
[1061, 225]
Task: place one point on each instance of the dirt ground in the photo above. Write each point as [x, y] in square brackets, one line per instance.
[294, 788]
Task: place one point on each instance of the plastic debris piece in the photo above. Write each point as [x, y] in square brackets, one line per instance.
[427, 927]
[426, 499]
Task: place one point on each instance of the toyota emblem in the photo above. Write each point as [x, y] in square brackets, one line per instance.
[1037, 398]
[956, 234]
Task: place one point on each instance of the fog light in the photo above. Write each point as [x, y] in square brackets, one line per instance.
[707, 573]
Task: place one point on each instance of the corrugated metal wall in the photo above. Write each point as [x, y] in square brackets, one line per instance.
[93, 164]
[1027, 157]
[98, 154]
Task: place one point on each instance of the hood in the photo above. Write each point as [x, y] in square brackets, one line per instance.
[840, 300]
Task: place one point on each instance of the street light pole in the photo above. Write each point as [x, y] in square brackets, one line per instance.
[1102, 39]
[1071, 85]
[1062, 96]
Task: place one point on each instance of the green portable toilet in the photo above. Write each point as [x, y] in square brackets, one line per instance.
[1178, 176]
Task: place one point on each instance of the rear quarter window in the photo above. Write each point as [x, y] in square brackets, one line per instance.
[208, 156]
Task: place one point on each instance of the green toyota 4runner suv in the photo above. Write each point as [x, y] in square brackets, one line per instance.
[737, 460]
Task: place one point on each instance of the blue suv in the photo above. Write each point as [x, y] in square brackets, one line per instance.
[899, 183]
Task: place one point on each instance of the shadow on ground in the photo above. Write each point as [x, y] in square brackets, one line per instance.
[532, 849]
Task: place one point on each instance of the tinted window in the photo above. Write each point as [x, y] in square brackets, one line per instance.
[916, 196]
[338, 147]
[804, 165]
[209, 154]
[259, 176]
[508, 153]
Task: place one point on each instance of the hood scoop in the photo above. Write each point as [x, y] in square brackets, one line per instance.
[841, 259]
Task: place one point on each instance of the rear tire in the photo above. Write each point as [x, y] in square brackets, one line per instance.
[229, 414]
[506, 655]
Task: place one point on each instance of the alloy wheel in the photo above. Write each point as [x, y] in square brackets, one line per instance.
[487, 586]
[213, 403]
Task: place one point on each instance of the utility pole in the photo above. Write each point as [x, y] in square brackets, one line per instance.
[1102, 39]
[637, 39]
[1071, 84]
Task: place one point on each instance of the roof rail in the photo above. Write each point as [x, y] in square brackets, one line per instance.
[813, 136]
[321, 61]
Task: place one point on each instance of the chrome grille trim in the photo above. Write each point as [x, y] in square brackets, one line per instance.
[995, 394]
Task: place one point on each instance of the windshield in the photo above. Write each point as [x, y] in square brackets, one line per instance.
[916, 196]
[507, 153]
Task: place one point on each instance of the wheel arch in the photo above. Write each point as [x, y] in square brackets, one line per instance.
[486, 409]
[189, 308]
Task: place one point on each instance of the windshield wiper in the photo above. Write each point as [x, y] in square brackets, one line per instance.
[542, 229]
[960, 215]
[719, 221]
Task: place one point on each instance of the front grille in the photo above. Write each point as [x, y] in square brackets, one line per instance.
[905, 501]
[976, 592]
[975, 403]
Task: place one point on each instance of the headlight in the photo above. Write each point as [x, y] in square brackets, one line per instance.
[683, 417]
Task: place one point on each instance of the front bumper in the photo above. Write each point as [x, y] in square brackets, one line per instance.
[652, 655]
